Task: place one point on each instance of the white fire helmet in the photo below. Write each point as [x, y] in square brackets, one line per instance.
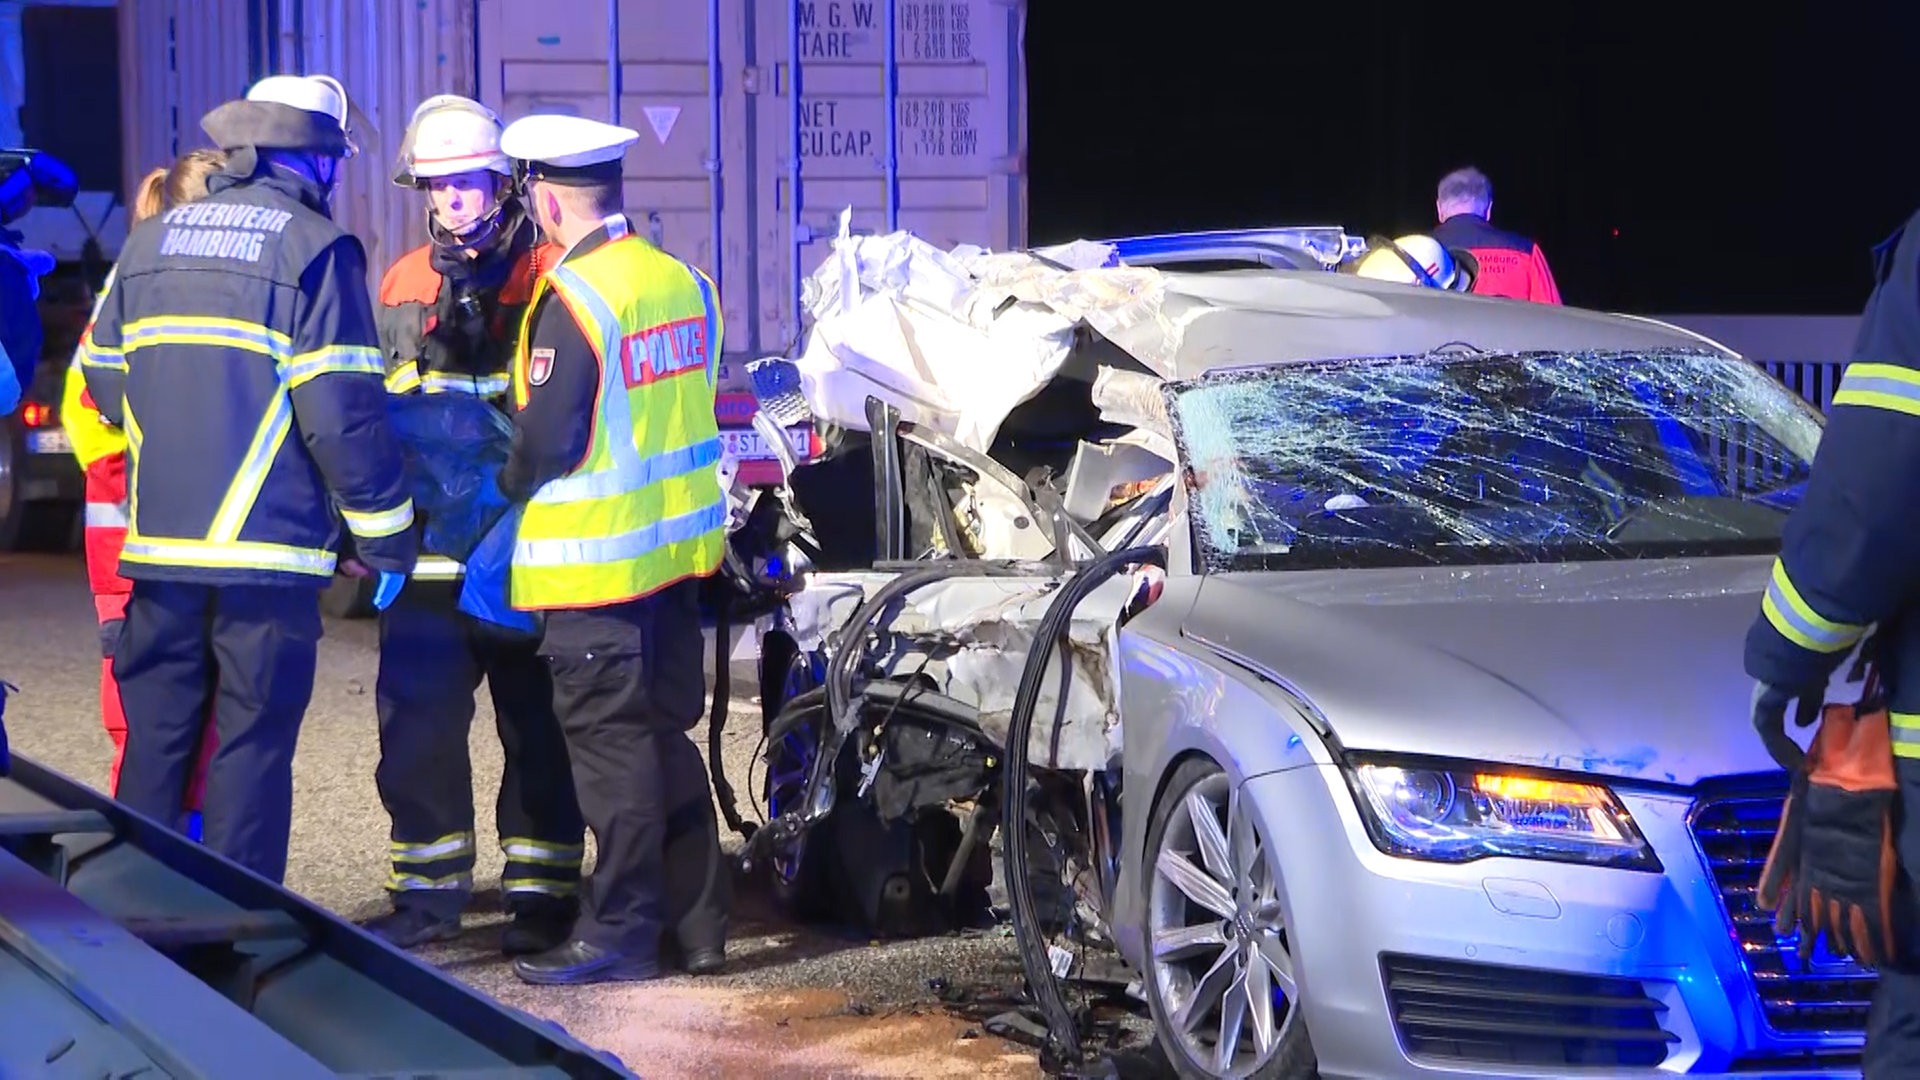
[321, 94]
[1385, 264]
[451, 134]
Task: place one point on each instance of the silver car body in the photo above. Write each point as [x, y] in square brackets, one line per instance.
[1628, 673]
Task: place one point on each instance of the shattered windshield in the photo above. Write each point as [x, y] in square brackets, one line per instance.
[1479, 458]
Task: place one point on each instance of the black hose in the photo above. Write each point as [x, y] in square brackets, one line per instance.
[717, 715]
[1063, 1036]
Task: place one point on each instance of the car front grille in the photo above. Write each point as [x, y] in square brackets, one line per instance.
[1810, 1062]
[1819, 995]
[1522, 1016]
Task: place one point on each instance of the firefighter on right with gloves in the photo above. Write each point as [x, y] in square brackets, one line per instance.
[448, 313]
[1845, 864]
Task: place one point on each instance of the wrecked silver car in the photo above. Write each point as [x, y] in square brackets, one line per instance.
[1362, 662]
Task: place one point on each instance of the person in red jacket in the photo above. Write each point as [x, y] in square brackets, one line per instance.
[102, 452]
[1511, 265]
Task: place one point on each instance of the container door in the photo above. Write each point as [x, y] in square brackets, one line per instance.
[958, 124]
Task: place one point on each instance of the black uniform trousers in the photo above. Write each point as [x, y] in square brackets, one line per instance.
[1893, 1020]
[629, 683]
[245, 653]
[432, 658]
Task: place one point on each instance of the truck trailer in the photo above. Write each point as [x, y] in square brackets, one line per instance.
[128, 950]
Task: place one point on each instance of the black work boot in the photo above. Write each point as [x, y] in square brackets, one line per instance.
[579, 962]
[410, 926]
[703, 959]
[538, 926]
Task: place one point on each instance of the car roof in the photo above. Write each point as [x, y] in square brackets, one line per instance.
[1239, 318]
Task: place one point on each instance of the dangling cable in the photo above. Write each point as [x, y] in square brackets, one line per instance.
[717, 718]
[1063, 1034]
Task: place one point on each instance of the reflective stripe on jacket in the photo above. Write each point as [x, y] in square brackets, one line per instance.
[89, 433]
[644, 509]
[106, 524]
[410, 293]
[237, 350]
[1847, 564]
[92, 437]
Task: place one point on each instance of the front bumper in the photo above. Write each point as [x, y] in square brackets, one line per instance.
[1517, 967]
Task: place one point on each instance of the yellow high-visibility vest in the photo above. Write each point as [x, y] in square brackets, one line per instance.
[645, 509]
[92, 437]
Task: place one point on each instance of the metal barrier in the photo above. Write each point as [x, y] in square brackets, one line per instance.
[1811, 379]
[1805, 352]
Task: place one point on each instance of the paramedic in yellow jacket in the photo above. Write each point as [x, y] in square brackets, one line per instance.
[614, 453]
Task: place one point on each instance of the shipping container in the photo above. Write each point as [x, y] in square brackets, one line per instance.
[181, 58]
[928, 136]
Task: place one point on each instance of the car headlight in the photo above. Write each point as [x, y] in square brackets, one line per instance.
[1451, 813]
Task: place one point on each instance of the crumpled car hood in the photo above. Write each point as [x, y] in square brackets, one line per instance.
[1626, 669]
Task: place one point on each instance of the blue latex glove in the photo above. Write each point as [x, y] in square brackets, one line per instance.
[387, 588]
[9, 383]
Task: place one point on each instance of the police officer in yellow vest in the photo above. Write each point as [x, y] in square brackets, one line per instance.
[615, 449]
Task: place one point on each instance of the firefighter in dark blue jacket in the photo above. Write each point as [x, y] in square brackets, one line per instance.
[1849, 572]
[237, 348]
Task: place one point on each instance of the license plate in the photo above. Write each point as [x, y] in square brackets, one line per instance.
[51, 441]
[745, 444]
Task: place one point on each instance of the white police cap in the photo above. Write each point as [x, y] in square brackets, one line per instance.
[560, 148]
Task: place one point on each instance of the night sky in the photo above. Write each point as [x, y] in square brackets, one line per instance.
[1665, 166]
[1668, 164]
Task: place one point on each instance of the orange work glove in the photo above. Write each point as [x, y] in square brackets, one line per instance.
[1831, 869]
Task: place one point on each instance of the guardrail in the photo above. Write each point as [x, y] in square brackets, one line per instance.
[1814, 380]
[1805, 352]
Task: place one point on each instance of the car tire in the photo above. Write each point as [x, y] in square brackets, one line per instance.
[1232, 955]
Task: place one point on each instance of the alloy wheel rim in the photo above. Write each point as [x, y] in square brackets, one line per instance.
[1222, 959]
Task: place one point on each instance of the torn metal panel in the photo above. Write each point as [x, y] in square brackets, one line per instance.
[1081, 254]
[1133, 399]
[957, 339]
[971, 636]
[1100, 469]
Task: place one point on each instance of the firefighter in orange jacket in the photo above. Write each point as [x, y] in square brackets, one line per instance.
[101, 450]
[449, 311]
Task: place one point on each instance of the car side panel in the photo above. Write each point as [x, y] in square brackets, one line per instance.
[1177, 699]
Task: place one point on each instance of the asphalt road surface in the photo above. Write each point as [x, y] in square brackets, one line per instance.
[794, 1002]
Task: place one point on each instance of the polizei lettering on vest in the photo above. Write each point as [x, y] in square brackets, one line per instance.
[664, 350]
[221, 230]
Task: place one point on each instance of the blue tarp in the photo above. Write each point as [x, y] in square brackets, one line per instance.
[455, 446]
[483, 594]
[10, 389]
